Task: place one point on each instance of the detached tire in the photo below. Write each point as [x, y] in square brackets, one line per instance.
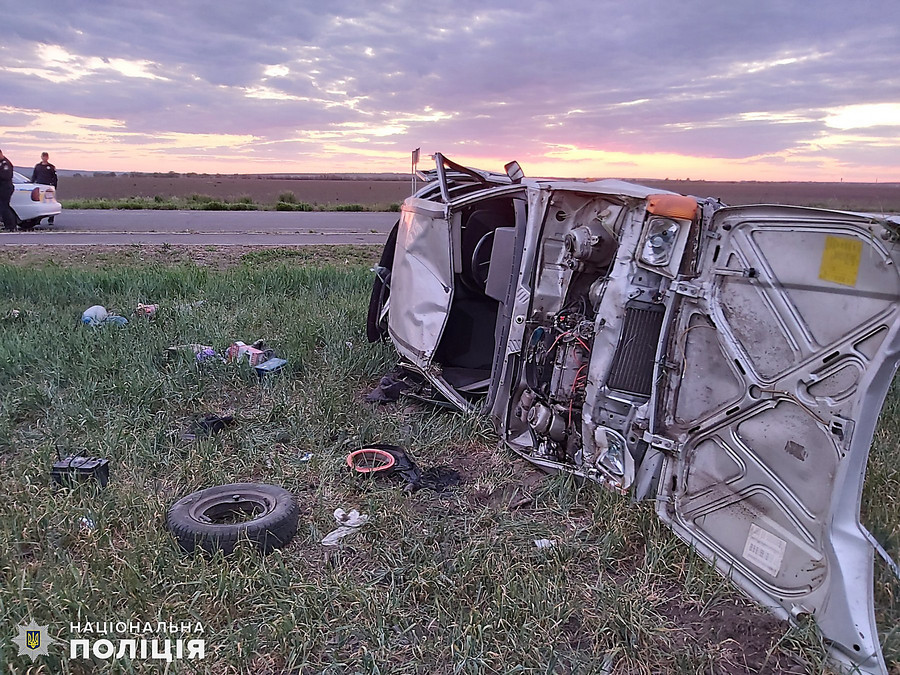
[215, 519]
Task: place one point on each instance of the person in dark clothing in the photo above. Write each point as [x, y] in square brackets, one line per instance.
[6, 192]
[45, 174]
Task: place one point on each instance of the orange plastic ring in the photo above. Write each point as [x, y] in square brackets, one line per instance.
[371, 455]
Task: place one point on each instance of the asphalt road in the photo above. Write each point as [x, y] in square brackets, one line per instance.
[246, 228]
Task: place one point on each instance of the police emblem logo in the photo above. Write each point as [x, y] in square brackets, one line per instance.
[32, 640]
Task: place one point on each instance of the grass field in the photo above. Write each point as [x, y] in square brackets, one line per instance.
[433, 584]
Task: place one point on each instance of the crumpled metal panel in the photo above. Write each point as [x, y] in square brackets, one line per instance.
[422, 281]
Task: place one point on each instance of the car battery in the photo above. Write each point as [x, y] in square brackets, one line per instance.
[273, 365]
[76, 469]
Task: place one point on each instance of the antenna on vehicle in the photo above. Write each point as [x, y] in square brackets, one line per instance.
[415, 161]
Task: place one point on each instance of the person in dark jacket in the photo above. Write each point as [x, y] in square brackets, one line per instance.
[6, 192]
[45, 174]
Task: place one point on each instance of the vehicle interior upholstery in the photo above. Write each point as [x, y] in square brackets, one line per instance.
[466, 349]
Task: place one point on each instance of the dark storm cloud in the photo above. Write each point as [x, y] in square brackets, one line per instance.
[734, 80]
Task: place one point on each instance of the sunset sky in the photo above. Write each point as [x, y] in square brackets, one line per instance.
[733, 90]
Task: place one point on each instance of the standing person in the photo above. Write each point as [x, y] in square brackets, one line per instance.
[6, 193]
[45, 174]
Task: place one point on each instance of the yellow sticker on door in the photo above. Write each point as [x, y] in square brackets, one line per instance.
[840, 260]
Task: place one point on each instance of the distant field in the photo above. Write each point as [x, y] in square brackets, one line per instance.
[260, 190]
[875, 197]
[370, 192]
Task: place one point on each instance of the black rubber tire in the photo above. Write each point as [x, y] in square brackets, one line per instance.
[273, 525]
[29, 224]
[381, 290]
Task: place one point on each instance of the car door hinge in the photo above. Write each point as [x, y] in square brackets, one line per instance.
[661, 443]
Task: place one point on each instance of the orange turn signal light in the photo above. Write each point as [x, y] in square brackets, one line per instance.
[672, 206]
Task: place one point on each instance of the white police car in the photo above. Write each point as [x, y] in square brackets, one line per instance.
[32, 202]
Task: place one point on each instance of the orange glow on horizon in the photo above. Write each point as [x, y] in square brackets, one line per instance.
[93, 144]
[227, 160]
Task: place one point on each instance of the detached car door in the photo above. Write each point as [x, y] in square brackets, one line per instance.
[780, 357]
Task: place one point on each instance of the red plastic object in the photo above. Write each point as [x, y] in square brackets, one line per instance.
[370, 460]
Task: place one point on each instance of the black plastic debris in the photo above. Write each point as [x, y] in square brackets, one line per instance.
[213, 424]
[77, 469]
[379, 460]
[390, 387]
[438, 479]
[207, 426]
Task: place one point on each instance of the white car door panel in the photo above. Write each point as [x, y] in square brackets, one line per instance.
[785, 356]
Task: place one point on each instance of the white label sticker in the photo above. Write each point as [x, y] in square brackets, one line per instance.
[764, 550]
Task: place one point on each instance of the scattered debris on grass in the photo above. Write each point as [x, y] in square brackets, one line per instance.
[390, 386]
[207, 426]
[436, 479]
[257, 355]
[86, 525]
[200, 352]
[371, 459]
[146, 310]
[273, 365]
[253, 354]
[74, 469]
[97, 315]
[349, 522]
[385, 460]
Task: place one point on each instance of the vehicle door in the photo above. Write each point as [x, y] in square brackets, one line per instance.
[421, 280]
[781, 355]
[427, 262]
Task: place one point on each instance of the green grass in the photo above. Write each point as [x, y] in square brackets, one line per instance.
[432, 584]
[286, 202]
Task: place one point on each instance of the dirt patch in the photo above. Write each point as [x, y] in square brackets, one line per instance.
[741, 635]
[518, 494]
[475, 460]
[213, 257]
